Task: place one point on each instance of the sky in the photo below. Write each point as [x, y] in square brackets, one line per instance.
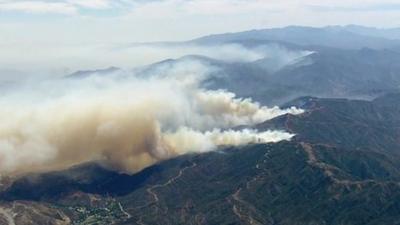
[29, 28]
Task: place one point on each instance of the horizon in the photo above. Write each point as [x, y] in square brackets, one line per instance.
[63, 36]
[71, 58]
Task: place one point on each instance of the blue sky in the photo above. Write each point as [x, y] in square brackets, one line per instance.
[43, 29]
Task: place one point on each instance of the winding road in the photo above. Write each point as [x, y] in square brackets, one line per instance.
[123, 211]
[246, 212]
[153, 194]
[7, 215]
[151, 189]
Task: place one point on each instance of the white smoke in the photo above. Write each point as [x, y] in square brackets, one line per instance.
[186, 140]
[125, 121]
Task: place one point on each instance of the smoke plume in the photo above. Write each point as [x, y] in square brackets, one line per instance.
[126, 122]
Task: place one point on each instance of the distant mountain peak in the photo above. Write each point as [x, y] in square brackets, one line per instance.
[87, 73]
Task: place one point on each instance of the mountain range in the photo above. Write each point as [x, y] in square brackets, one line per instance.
[342, 167]
[361, 74]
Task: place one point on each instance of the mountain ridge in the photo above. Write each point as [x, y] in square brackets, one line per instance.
[303, 181]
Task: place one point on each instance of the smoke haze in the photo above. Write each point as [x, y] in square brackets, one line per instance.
[57, 60]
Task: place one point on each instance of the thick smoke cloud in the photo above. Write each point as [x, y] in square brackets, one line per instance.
[125, 122]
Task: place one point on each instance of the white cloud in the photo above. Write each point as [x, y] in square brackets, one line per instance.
[68, 7]
[159, 8]
[38, 7]
[94, 4]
